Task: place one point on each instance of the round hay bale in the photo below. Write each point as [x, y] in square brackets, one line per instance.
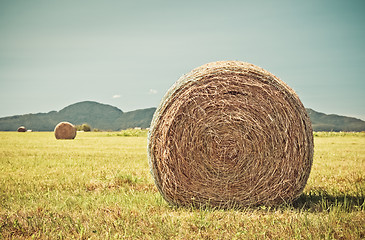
[230, 134]
[22, 129]
[65, 130]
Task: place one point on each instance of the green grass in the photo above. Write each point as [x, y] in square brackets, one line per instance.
[130, 133]
[98, 186]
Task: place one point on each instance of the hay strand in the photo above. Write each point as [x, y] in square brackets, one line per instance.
[230, 134]
[65, 130]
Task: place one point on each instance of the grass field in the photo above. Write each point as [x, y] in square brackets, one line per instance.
[98, 186]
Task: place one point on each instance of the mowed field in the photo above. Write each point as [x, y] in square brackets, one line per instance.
[98, 186]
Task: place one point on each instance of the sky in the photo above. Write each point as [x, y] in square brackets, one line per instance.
[129, 53]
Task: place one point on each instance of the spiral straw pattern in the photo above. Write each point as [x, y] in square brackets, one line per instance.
[230, 134]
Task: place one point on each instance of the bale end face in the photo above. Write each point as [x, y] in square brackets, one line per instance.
[230, 134]
[65, 130]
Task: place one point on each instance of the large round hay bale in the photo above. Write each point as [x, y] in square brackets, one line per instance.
[230, 134]
[22, 129]
[65, 130]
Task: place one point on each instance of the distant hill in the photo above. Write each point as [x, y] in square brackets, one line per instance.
[107, 117]
[335, 123]
[97, 115]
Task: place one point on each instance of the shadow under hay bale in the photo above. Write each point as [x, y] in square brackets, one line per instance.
[65, 130]
[22, 129]
[230, 134]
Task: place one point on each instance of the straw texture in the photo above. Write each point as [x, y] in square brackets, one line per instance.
[65, 130]
[230, 134]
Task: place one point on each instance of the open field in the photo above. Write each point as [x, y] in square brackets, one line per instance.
[98, 186]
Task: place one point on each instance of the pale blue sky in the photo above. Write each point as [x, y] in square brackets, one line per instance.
[128, 53]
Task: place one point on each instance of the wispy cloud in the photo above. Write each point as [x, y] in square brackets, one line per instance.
[116, 96]
[153, 91]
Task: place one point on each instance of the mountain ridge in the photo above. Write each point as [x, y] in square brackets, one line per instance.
[333, 122]
[97, 115]
[108, 117]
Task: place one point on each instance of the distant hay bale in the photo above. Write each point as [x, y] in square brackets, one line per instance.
[22, 129]
[65, 130]
[230, 134]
